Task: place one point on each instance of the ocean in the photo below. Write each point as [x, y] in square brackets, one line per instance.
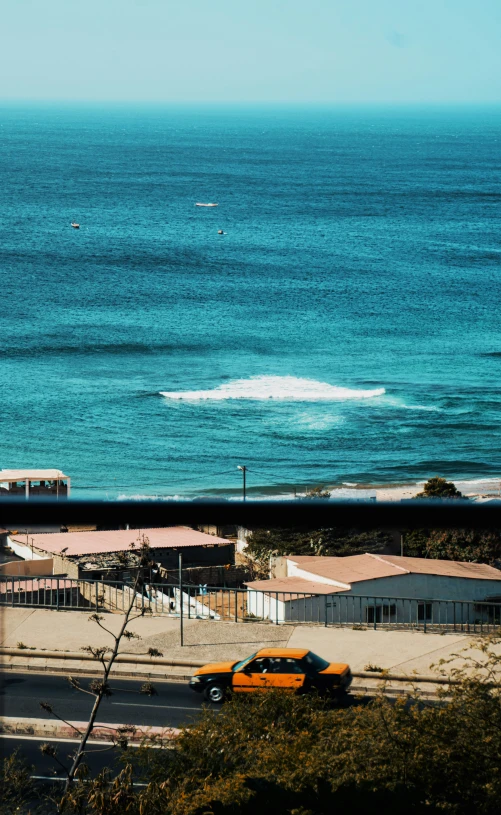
[344, 330]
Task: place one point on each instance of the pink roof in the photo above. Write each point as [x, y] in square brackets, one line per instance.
[28, 584]
[348, 570]
[355, 568]
[449, 568]
[77, 544]
[292, 584]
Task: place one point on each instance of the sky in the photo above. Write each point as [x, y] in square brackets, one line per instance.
[272, 51]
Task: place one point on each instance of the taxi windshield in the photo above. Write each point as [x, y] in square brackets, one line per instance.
[243, 662]
[316, 662]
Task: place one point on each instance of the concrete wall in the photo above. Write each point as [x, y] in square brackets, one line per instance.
[24, 551]
[28, 568]
[63, 565]
[242, 539]
[265, 607]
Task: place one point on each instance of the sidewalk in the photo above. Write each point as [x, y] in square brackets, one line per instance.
[404, 652]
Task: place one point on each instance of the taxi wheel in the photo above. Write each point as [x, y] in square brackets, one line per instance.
[215, 693]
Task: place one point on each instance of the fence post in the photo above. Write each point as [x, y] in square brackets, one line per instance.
[375, 615]
[325, 610]
[181, 632]
[97, 596]
[236, 604]
[12, 590]
[57, 594]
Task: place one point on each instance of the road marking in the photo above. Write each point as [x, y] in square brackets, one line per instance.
[48, 738]
[72, 741]
[166, 707]
[58, 778]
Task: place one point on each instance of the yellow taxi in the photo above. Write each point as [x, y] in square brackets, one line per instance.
[293, 669]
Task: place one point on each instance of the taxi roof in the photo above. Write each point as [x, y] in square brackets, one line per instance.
[295, 653]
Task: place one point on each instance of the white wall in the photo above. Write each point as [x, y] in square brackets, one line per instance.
[261, 605]
[21, 550]
[293, 570]
[242, 539]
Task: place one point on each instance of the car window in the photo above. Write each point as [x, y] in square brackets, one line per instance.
[314, 661]
[286, 665]
[260, 666]
[243, 662]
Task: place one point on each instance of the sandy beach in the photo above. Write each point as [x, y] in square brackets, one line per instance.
[475, 489]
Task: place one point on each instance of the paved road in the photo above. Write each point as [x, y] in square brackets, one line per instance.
[174, 705]
[47, 768]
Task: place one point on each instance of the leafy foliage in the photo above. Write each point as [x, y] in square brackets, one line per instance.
[438, 487]
[471, 545]
[307, 541]
[16, 785]
[317, 492]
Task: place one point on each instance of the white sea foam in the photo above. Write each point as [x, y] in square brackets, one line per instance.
[284, 388]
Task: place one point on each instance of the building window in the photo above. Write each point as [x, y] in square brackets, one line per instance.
[424, 612]
[383, 613]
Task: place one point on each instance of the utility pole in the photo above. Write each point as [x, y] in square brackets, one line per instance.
[244, 471]
[181, 632]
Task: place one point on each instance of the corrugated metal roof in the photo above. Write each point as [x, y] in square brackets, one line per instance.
[293, 584]
[348, 570]
[355, 568]
[78, 544]
[448, 568]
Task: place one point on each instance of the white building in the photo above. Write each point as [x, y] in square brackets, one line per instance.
[379, 589]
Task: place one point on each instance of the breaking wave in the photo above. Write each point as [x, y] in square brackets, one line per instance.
[284, 388]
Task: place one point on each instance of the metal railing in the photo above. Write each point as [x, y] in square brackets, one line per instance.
[242, 605]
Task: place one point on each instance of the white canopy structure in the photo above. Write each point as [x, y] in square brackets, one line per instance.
[50, 483]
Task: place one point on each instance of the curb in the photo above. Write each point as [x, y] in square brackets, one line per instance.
[181, 663]
[10, 725]
[70, 671]
[130, 659]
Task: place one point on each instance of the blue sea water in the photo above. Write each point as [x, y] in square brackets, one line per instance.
[345, 328]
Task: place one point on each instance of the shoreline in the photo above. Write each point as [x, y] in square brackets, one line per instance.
[478, 489]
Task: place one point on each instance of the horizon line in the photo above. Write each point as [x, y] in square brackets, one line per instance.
[253, 102]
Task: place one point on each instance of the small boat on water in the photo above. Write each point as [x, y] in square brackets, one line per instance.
[75, 225]
[206, 205]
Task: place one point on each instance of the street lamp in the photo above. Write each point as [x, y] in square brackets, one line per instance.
[244, 471]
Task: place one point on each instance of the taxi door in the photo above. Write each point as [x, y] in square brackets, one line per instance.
[255, 676]
[286, 673]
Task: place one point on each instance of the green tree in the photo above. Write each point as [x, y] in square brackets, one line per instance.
[438, 487]
[316, 492]
[471, 545]
[333, 542]
[17, 788]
